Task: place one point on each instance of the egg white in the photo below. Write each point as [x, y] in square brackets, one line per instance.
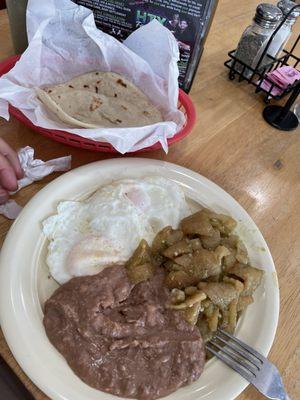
[86, 236]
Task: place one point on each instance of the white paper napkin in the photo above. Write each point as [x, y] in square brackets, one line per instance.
[34, 170]
[10, 209]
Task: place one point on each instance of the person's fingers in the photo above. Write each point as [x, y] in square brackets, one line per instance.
[12, 157]
[8, 179]
[4, 196]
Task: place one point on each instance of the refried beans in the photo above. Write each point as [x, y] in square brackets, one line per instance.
[120, 338]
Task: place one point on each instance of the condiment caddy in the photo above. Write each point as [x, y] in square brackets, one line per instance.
[261, 50]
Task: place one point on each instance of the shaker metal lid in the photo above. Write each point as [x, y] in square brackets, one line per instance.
[268, 14]
[286, 6]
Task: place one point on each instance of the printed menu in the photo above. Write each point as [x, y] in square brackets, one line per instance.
[188, 20]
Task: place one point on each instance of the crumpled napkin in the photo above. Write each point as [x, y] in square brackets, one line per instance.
[10, 209]
[34, 170]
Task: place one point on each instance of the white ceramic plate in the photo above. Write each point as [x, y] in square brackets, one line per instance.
[25, 285]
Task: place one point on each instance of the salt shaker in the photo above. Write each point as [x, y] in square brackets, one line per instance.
[284, 33]
[256, 37]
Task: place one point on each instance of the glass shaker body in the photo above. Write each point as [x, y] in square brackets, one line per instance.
[280, 39]
[251, 46]
[282, 36]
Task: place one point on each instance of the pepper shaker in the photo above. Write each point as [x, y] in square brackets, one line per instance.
[256, 37]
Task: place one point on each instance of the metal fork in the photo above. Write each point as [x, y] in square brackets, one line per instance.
[251, 365]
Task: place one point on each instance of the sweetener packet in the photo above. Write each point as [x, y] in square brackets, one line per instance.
[283, 77]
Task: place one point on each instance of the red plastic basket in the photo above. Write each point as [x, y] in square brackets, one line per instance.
[185, 104]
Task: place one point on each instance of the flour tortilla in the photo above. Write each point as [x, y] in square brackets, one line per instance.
[100, 99]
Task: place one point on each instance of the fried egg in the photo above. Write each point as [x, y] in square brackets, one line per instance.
[86, 236]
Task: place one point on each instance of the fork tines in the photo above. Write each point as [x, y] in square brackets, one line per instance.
[236, 354]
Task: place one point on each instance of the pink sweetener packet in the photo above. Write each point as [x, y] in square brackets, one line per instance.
[267, 86]
[287, 74]
[283, 77]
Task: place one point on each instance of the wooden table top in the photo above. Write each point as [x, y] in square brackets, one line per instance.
[231, 145]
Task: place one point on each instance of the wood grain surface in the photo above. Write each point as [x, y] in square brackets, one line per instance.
[231, 145]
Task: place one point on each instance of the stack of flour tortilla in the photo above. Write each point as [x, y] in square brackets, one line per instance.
[100, 99]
